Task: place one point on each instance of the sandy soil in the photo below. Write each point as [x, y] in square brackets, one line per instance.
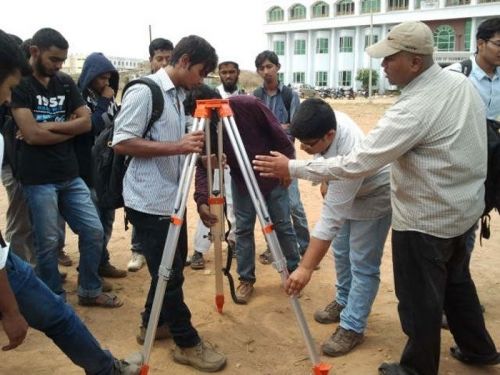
[261, 337]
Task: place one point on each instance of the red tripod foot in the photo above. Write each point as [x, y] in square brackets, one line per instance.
[321, 369]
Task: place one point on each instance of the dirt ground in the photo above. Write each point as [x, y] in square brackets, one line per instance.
[261, 337]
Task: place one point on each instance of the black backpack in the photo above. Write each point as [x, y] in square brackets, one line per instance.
[492, 183]
[286, 94]
[109, 168]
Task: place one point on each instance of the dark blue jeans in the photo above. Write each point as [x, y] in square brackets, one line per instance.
[107, 218]
[151, 231]
[47, 312]
[431, 274]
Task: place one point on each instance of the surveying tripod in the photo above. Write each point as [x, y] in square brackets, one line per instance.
[204, 109]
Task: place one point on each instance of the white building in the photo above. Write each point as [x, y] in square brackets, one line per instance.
[74, 63]
[322, 43]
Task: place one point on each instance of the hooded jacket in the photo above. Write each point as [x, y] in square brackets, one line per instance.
[103, 109]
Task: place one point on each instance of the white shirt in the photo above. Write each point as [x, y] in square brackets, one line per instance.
[150, 184]
[434, 139]
[363, 198]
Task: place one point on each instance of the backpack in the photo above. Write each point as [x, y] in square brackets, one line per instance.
[8, 129]
[492, 182]
[108, 168]
[286, 94]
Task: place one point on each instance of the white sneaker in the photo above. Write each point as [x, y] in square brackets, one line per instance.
[136, 262]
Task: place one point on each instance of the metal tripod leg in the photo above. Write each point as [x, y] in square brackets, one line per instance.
[167, 259]
[271, 237]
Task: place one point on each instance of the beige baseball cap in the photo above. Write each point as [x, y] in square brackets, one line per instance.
[412, 36]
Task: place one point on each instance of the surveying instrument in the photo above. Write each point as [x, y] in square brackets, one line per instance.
[202, 116]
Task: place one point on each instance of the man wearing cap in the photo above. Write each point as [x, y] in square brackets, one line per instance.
[437, 192]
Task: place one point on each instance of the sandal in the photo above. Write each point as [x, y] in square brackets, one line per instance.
[107, 300]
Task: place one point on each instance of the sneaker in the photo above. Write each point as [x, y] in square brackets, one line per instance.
[136, 262]
[129, 366]
[244, 291]
[266, 257]
[197, 261]
[330, 314]
[202, 357]
[64, 259]
[162, 333]
[341, 342]
[108, 270]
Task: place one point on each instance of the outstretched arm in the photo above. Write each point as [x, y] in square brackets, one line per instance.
[13, 322]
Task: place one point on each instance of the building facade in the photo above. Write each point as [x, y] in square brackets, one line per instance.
[322, 43]
[74, 63]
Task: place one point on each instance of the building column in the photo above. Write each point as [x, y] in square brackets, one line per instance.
[383, 6]
[357, 58]
[310, 55]
[357, 7]
[288, 56]
[473, 30]
[332, 75]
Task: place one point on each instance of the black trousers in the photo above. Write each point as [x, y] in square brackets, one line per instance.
[151, 231]
[431, 274]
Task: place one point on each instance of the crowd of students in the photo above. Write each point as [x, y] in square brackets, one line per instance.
[392, 176]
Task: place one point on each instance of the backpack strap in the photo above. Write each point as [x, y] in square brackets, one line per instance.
[259, 93]
[466, 66]
[158, 100]
[286, 95]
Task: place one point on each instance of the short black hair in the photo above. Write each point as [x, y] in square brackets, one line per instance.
[160, 44]
[11, 57]
[198, 50]
[313, 119]
[47, 37]
[16, 39]
[227, 63]
[200, 92]
[487, 29]
[266, 55]
[25, 46]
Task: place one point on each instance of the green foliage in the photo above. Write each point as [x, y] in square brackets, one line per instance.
[364, 77]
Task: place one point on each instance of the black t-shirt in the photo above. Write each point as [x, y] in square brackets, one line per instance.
[54, 103]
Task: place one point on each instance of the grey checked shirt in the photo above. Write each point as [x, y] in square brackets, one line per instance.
[150, 184]
[363, 198]
[435, 138]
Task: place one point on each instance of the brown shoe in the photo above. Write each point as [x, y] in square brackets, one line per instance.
[341, 342]
[108, 270]
[63, 259]
[330, 314]
[244, 291]
[266, 257]
[202, 357]
[162, 333]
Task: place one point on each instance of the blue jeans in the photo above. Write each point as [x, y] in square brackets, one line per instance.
[47, 312]
[299, 218]
[151, 231]
[71, 199]
[358, 250]
[278, 204]
[107, 218]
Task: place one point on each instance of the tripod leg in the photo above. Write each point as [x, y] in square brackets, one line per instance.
[271, 237]
[169, 249]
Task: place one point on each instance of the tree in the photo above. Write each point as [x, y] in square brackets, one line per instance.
[364, 77]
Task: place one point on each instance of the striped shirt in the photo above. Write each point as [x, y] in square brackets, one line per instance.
[434, 139]
[150, 184]
[363, 198]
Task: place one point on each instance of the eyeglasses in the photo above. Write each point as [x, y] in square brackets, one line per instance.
[495, 42]
[310, 145]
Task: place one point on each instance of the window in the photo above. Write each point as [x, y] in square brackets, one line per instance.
[298, 12]
[450, 3]
[397, 4]
[345, 44]
[488, 1]
[467, 34]
[321, 79]
[281, 77]
[275, 14]
[299, 77]
[279, 47]
[320, 9]
[366, 4]
[367, 40]
[345, 7]
[345, 78]
[444, 38]
[299, 47]
[322, 45]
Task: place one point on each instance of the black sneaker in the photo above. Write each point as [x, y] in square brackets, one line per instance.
[197, 261]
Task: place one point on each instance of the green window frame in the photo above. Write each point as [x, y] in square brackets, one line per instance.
[298, 12]
[467, 33]
[365, 6]
[299, 47]
[452, 3]
[345, 78]
[279, 47]
[320, 9]
[281, 77]
[276, 14]
[321, 79]
[367, 40]
[397, 5]
[444, 38]
[299, 77]
[322, 45]
[345, 44]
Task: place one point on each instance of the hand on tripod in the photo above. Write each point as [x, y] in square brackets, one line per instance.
[192, 142]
